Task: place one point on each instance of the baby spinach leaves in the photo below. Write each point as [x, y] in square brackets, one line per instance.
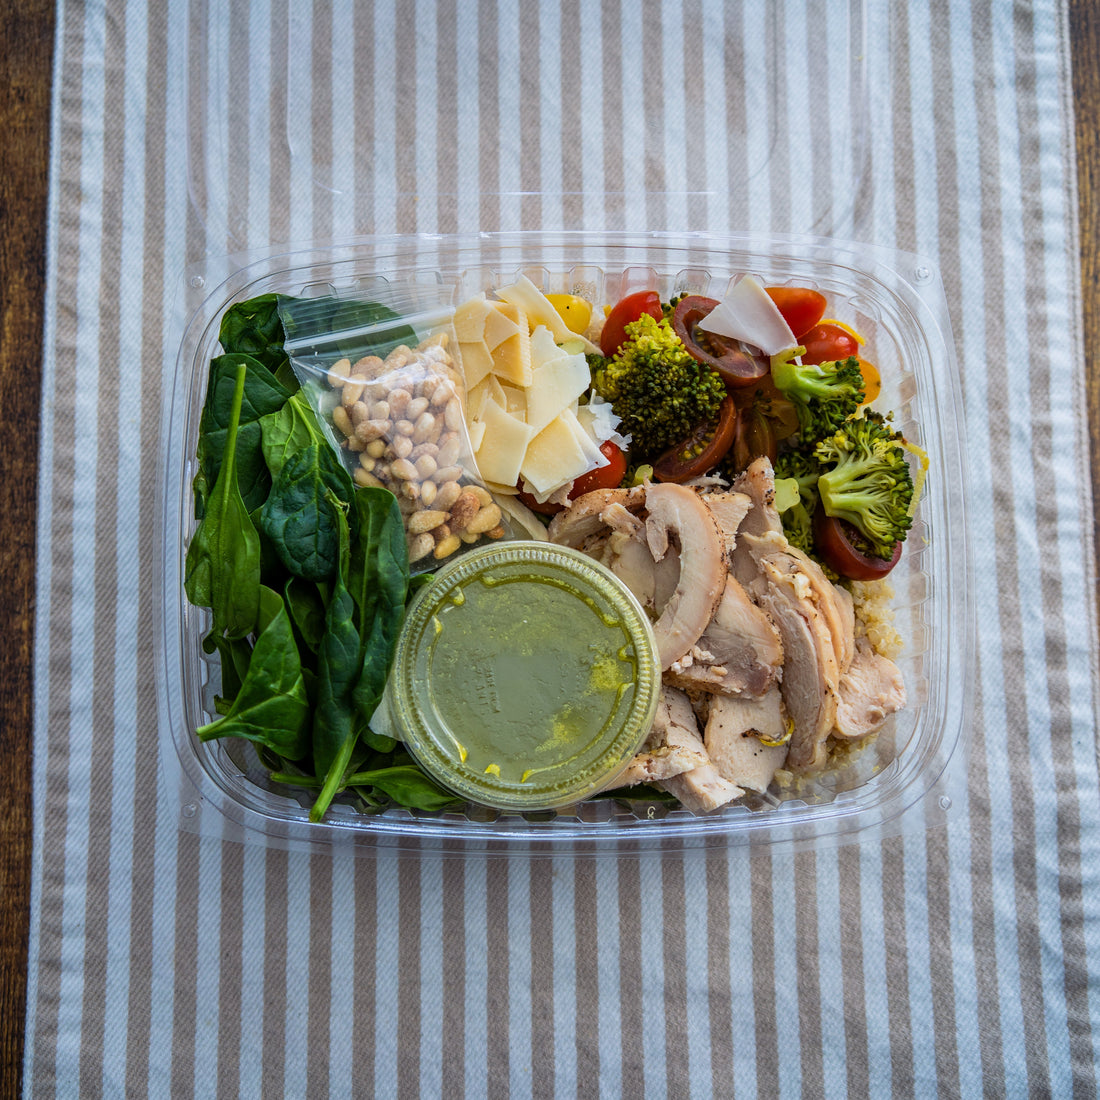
[299, 517]
[306, 575]
[222, 570]
[262, 393]
[272, 706]
[255, 328]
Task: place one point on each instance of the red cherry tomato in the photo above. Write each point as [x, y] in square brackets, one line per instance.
[736, 367]
[622, 313]
[837, 549]
[801, 307]
[603, 477]
[754, 437]
[702, 450]
[826, 343]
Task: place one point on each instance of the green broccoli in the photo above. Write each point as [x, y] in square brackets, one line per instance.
[802, 469]
[865, 481]
[823, 394]
[659, 390]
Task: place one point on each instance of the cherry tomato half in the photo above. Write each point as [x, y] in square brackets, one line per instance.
[736, 367]
[604, 477]
[826, 343]
[622, 313]
[702, 450]
[872, 381]
[833, 539]
[801, 307]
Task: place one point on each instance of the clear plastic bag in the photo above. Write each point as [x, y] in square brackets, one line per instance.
[384, 379]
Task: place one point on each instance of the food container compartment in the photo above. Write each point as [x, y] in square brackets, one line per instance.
[905, 775]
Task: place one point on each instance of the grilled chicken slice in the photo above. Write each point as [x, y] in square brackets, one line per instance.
[702, 789]
[740, 651]
[810, 672]
[728, 509]
[584, 517]
[757, 482]
[676, 511]
[869, 691]
[833, 603]
[735, 726]
[673, 745]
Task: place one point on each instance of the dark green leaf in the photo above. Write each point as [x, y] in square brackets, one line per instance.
[379, 584]
[335, 724]
[307, 611]
[406, 785]
[271, 707]
[262, 395]
[222, 570]
[254, 328]
[298, 517]
[290, 429]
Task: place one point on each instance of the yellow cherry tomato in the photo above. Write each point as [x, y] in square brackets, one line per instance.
[872, 381]
[574, 311]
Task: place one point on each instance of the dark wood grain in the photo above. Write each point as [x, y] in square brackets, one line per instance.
[1084, 21]
[26, 30]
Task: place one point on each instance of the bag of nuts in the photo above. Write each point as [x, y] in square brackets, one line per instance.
[399, 419]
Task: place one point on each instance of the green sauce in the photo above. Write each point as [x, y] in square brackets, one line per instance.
[527, 673]
[525, 677]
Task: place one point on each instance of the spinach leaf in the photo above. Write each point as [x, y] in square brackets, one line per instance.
[262, 394]
[255, 328]
[404, 784]
[335, 722]
[222, 569]
[288, 430]
[234, 656]
[379, 584]
[307, 611]
[272, 707]
[297, 516]
[337, 324]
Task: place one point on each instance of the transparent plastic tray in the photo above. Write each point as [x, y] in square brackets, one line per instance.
[904, 776]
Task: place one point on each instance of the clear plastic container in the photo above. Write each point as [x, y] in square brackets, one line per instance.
[894, 299]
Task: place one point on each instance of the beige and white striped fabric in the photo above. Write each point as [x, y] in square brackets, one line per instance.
[958, 960]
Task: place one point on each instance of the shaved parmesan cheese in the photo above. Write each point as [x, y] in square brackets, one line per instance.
[543, 348]
[747, 313]
[501, 323]
[601, 422]
[476, 433]
[502, 446]
[555, 386]
[476, 361]
[556, 455]
[512, 355]
[539, 310]
[469, 320]
[522, 517]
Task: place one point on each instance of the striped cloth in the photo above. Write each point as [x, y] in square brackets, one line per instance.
[953, 960]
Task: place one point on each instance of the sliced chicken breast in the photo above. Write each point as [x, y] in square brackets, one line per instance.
[870, 691]
[735, 726]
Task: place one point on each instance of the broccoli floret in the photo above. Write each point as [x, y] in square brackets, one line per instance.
[865, 481]
[802, 468]
[823, 394]
[659, 390]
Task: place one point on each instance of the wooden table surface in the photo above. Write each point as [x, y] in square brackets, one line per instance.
[26, 28]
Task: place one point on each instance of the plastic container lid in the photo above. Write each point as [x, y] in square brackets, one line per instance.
[525, 677]
[294, 144]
